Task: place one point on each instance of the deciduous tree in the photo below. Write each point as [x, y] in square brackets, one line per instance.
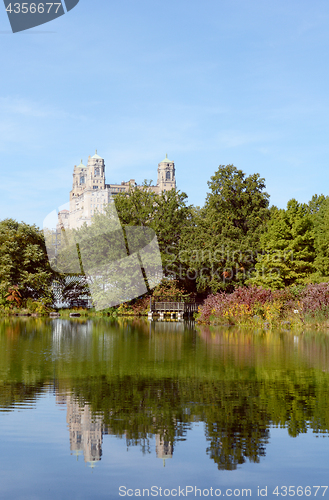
[24, 265]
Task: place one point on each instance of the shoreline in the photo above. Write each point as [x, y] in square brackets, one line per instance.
[284, 325]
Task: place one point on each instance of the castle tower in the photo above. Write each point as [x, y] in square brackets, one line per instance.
[166, 175]
[89, 193]
[79, 180]
[96, 172]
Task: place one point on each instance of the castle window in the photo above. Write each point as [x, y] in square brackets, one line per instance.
[167, 176]
[95, 187]
[82, 179]
[97, 171]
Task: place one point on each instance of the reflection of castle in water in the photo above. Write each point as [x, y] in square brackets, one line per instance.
[87, 430]
[164, 449]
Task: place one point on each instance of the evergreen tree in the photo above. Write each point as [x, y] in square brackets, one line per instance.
[223, 245]
[322, 239]
[316, 203]
[287, 245]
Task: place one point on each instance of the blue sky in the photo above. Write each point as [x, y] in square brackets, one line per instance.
[212, 82]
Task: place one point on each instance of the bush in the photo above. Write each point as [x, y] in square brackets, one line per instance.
[298, 303]
[235, 307]
[315, 298]
[248, 303]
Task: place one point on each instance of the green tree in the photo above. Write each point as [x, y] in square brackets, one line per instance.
[316, 203]
[287, 245]
[24, 265]
[223, 243]
[167, 214]
[322, 239]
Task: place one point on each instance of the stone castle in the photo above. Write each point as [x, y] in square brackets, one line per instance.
[90, 193]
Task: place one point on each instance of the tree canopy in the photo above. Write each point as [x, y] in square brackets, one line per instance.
[223, 243]
[288, 248]
[168, 215]
[321, 233]
[24, 263]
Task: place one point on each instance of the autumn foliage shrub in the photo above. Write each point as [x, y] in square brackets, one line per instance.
[234, 306]
[315, 299]
[247, 303]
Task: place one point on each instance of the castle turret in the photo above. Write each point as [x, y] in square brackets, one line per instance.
[96, 172]
[166, 175]
[79, 180]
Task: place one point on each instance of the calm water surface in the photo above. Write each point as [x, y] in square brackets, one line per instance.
[100, 409]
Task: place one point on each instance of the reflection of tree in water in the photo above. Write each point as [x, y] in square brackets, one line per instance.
[137, 408]
[12, 394]
[237, 414]
[140, 383]
[237, 425]
[232, 447]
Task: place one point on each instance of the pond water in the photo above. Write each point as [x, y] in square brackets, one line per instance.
[95, 409]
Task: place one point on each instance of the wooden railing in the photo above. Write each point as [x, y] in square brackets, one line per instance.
[179, 307]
